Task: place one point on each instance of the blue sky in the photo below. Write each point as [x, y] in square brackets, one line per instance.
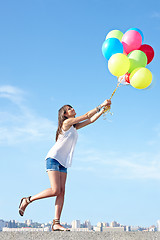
[50, 55]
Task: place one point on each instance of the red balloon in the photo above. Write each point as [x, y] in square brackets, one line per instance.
[148, 50]
[127, 75]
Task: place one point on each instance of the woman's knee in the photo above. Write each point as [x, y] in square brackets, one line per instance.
[59, 192]
[56, 191]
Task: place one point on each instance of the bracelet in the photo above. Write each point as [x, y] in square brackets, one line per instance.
[98, 108]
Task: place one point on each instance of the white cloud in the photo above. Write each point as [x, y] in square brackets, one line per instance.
[12, 93]
[115, 165]
[19, 123]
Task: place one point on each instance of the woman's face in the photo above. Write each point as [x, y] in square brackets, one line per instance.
[70, 112]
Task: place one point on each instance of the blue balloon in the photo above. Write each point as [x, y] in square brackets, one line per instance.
[111, 46]
[138, 30]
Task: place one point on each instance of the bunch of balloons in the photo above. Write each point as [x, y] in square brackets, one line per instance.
[127, 57]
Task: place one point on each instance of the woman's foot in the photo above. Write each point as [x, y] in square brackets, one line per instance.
[56, 226]
[23, 204]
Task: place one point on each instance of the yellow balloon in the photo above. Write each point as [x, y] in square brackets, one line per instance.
[141, 78]
[118, 64]
[115, 34]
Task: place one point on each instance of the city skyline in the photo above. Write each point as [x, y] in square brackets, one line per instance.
[75, 226]
[78, 223]
[51, 55]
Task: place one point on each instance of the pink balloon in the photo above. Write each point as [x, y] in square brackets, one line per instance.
[131, 40]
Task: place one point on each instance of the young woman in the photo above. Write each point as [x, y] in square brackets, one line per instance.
[59, 158]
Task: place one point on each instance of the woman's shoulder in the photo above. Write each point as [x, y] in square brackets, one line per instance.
[66, 126]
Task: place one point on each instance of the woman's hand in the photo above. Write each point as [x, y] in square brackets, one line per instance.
[106, 103]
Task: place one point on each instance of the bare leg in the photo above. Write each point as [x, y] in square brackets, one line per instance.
[54, 177]
[60, 200]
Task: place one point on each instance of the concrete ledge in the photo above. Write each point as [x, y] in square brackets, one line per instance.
[79, 235]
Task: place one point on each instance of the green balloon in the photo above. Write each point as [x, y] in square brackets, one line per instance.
[137, 59]
[115, 34]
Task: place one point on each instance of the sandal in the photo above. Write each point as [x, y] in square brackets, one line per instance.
[55, 222]
[28, 199]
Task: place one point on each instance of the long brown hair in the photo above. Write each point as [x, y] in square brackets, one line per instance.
[61, 119]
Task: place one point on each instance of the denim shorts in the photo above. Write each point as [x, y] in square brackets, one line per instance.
[54, 165]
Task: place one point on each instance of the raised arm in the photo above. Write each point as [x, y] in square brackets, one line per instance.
[87, 118]
[90, 120]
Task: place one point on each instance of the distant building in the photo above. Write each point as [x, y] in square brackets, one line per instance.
[114, 224]
[76, 224]
[87, 224]
[12, 224]
[98, 228]
[28, 222]
[104, 224]
[104, 227]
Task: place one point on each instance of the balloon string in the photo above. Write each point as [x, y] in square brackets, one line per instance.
[107, 109]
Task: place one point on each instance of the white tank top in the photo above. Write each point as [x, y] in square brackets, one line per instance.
[63, 149]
